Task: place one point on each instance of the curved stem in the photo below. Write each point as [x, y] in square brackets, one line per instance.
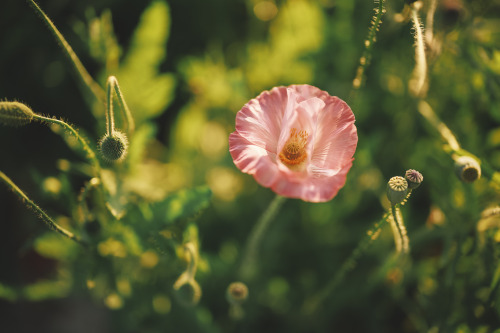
[90, 153]
[89, 82]
[41, 214]
[113, 86]
[110, 116]
[426, 111]
[249, 263]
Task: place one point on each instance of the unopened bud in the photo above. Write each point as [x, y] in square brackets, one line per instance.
[15, 114]
[414, 178]
[114, 147]
[237, 293]
[467, 169]
[397, 188]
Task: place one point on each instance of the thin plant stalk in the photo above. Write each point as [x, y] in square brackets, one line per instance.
[429, 35]
[312, 304]
[248, 266]
[400, 231]
[90, 153]
[364, 61]
[112, 86]
[426, 111]
[41, 214]
[89, 82]
[418, 82]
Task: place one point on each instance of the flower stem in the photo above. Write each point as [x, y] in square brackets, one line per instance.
[364, 61]
[399, 229]
[426, 111]
[41, 214]
[90, 153]
[371, 235]
[89, 82]
[248, 266]
[418, 82]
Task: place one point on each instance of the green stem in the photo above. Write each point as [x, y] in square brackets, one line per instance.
[365, 59]
[312, 304]
[446, 134]
[419, 77]
[41, 214]
[248, 266]
[400, 230]
[90, 153]
[112, 85]
[110, 115]
[89, 82]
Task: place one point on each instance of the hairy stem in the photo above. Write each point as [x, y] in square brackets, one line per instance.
[249, 263]
[399, 229]
[90, 153]
[418, 82]
[112, 86]
[364, 61]
[41, 214]
[89, 82]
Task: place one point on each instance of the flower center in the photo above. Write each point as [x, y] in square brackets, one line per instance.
[294, 151]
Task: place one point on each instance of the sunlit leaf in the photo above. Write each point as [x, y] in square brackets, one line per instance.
[182, 204]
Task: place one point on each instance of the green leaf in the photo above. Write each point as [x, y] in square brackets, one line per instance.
[146, 91]
[47, 289]
[52, 245]
[7, 293]
[496, 278]
[183, 204]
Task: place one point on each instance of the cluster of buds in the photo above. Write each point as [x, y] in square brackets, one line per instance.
[398, 188]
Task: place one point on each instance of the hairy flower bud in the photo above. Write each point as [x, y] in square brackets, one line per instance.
[15, 114]
[114, 147]
[237, 293]
[414, 178]
[397, 188]
[467, 169]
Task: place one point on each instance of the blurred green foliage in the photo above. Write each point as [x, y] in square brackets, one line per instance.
[179, 185]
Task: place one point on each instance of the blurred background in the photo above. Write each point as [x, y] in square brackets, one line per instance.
[185, 69]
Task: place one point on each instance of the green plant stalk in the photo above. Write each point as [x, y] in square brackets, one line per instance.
[90, 153]
[248, 266]
[446, 134]
[312, 304]
[188, 276]
[401, 235]
[419, 77]
[89, 82]
[41, 214]
[365, 59]
[112, 85]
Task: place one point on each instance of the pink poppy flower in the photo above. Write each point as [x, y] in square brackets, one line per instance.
[297, 140]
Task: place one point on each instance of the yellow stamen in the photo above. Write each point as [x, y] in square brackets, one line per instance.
[294, 151]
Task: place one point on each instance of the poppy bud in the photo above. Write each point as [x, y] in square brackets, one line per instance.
[15, 114]
[467, 169]
[397, 188]
[414, 178]
[237, 293]
[114, 147]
